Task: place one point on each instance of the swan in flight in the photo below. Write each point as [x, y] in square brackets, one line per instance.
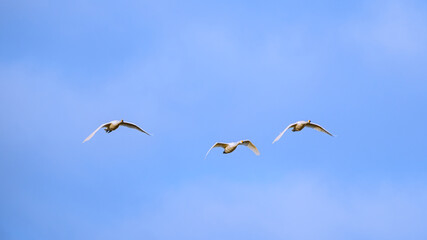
[298, 126]
[230, 147]
[113, 125]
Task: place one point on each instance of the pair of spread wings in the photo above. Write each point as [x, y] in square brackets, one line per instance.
[126, 124]
[310, 125]
[247, 143]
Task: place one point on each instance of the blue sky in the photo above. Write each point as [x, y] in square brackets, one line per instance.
[194, 73]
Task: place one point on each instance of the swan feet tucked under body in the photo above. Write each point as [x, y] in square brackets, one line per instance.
[298, 126]
[230, 147]
[113, 125]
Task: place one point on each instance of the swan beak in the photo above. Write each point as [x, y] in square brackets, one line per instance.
[309, 121]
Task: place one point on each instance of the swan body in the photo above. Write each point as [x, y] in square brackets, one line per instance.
[300, 125]
[230, 147]
[113, 125]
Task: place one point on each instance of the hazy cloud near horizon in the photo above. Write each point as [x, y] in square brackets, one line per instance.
[298, 207]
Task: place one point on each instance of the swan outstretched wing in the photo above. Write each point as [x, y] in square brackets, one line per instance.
[134, 126]
[91, 135]
[318, 128]
[218, 144]
[281, 134]
[251, 146]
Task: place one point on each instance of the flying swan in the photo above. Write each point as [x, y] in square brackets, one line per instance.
[298, 126]
[113, 125]
[230, 147]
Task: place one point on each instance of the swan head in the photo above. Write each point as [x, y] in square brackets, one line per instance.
[309, 121]
[241, 141]
[121, 121]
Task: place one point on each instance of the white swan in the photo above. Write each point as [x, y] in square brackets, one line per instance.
[113, 125]
[230, 147]
[298, 126]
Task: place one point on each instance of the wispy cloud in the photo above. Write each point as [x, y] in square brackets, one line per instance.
[393, 27]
